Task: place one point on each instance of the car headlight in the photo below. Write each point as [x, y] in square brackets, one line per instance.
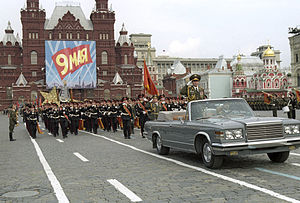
[291, 129]
[233, 134]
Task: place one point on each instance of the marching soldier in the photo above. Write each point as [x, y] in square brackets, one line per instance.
[194, 91]
[64, 121]
[13, 120]
[32, 119]
[75, 117]
[274, 105]
[114, 114]
[94, 117]
[142, 112]
[127, 115]
[292, 103]
[154, 108]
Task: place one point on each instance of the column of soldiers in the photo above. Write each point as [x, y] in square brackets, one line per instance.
[276, 103]
[69, 118]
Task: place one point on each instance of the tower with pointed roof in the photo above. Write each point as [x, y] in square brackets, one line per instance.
[124, 49]
[33, 20]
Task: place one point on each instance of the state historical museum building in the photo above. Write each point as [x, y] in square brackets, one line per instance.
[22, 63]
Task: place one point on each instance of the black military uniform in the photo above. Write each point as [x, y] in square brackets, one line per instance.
[94, 118]
[292, 103]
[127, 115]
[142, 113]
[114, 114]
[64, 121]
[75, 117]
[32, 119]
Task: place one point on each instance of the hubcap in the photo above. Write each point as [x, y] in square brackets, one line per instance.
[158, 143]
[207, 152]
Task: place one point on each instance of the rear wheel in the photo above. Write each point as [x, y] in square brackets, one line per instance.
[162, 150]
[279, 157]
[209, 159]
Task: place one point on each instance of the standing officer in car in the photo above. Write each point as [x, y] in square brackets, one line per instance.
[194, 91]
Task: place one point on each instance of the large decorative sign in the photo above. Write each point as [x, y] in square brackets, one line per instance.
[71, 62]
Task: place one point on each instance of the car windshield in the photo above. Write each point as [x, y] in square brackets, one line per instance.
[233, 108]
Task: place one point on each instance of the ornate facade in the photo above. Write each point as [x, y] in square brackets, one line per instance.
[67, 23]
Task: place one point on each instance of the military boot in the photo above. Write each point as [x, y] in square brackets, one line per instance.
[11, 137]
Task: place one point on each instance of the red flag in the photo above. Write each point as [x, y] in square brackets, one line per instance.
[148, 83]
[267, 98]
[40, 102]
[297, 95]
[18, 105]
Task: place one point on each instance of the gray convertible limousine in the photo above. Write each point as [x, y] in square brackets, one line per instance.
[214, 128]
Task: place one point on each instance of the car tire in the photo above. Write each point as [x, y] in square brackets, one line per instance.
[162, 150]
[209, 159]
[279, 157]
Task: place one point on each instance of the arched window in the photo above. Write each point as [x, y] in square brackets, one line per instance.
[78, 35]
[59, 35]
[104, 59]
[125, 59]
[50, 35]
[33, 57]
[237, 82]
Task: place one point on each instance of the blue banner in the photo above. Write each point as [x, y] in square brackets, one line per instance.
[71, 62]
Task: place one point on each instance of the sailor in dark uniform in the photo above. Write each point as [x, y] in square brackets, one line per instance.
[64, 121]
[127, 115]
[142, 112]
[94, 117]
[32, 119]
[114, 114]
[75, 117]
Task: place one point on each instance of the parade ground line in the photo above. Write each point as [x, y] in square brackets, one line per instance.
[58, 190]
[59, 140]
[278, 173]
[82, 158]
[295, 154]
[124, 190]
[226, 178]
[295, 164]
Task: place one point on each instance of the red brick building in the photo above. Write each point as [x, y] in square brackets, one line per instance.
[24, 62]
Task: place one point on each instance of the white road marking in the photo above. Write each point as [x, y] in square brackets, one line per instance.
[295, 164]
[242, 183]
[49, 134]
[80, 157]
[59, 140]
[124, 190]
[295, 154]
[58, 190]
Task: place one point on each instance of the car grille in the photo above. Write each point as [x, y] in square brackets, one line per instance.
[264, 131]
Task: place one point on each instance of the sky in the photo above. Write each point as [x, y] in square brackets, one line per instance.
[192, 28]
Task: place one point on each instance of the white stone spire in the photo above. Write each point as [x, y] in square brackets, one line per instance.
[117, 79]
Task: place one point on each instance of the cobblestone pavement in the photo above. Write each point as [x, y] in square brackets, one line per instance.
[149, 177]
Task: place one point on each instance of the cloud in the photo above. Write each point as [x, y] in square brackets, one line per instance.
[188, 48]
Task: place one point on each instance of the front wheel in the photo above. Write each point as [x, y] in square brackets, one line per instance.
[209, 159]
[279, 157]
[162, 150]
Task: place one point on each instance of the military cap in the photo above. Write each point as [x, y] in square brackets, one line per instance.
[195, 77]
[155, 97]
[124, 99]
